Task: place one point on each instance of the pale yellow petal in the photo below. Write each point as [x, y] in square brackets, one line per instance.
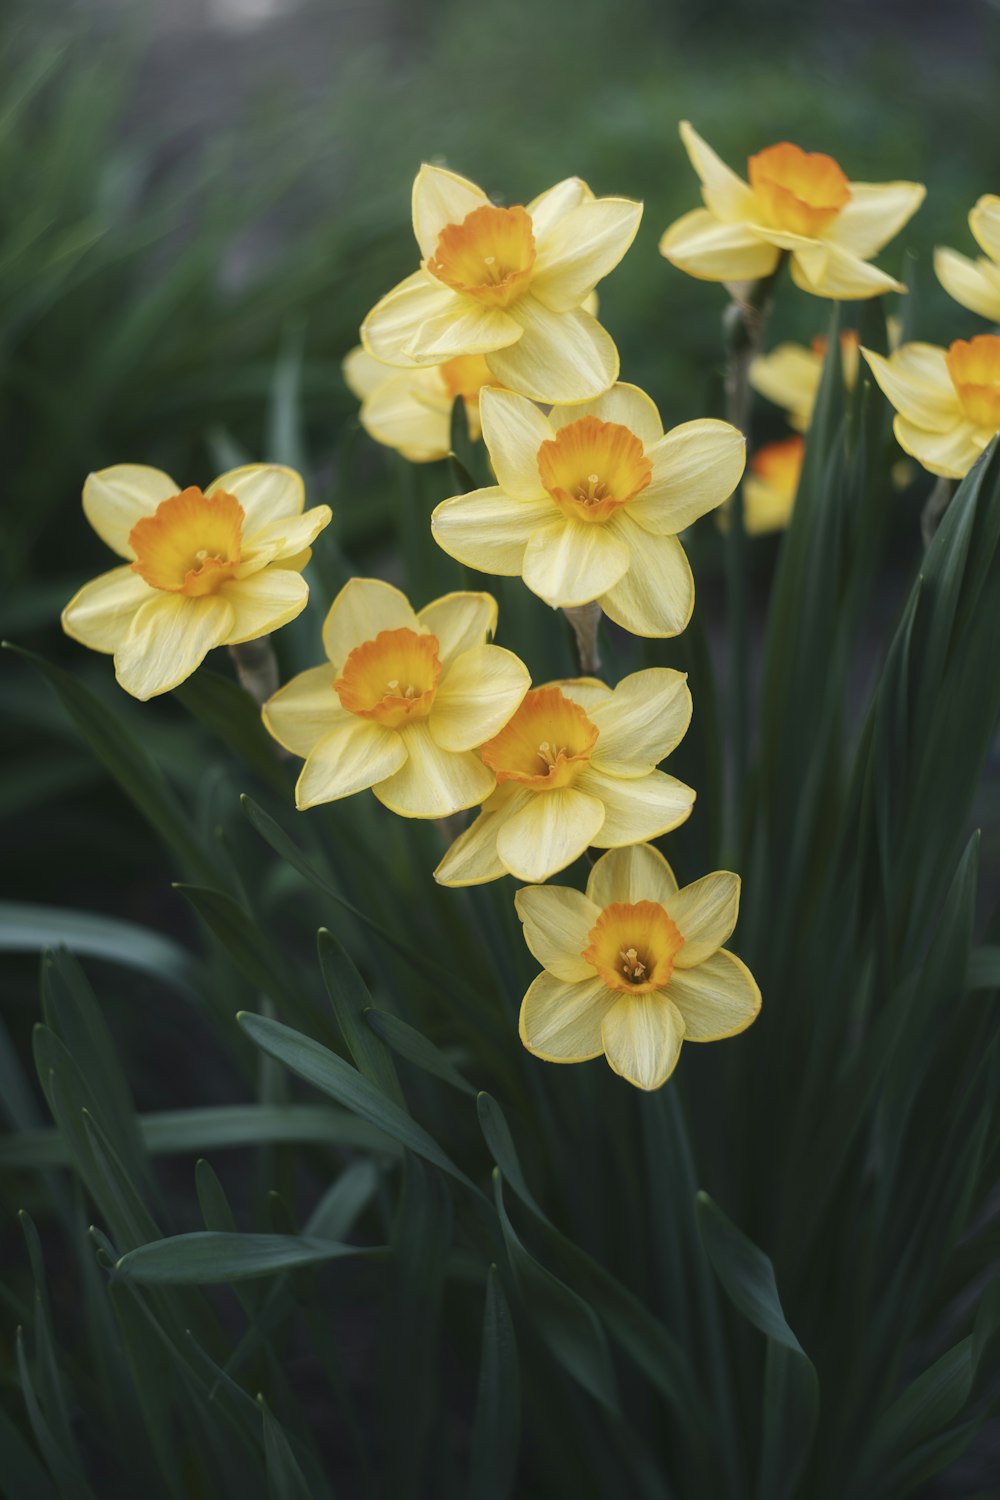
[460, 621]
[656, 596]
[984, 221]
[714, 250]
[643, 720]
[410, 411]
[561, 1022]
[718, 998]
[352, 756]
[917, 382]
[299, 714]
[168, 639]
[725, 193]
[973, 283]
[513, 431]
[115, 499]
[625, 404]
[696, 466]
[557, 922]
[555, 203]
[99, 614]
[463, 327]
[949, 454]
[284, 538]
[828, 270]
[489, 530]
[587, 691]
[441, 198]
[580, 250]
[267, 493]
[477, 695]
[635, 872]
[473, 859]
[568, 562]
[642, 1036]
[434, 783]
[549, 832]
[636, 809]
[362, 373]
[874, 214]
[766, 507]
[363, 608]
[395, 321]
[561, 356]
[789, 376]
[264, 602]
[705, 914]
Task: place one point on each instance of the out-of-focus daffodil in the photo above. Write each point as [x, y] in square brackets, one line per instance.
[204, 569]
[576, 766]
[771, 484]
[975, 283]
[789, 375]
[509, 284]
[402, 703]
[589, 502]
[410, 410]
[947, 400]
[795, 201]
[634, 968]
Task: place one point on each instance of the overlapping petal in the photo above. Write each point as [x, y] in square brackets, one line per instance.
[641, 808]
[441, 198]
[263, 602]
[828, 270]
[560, 356]
[973, 283]
[696, 466]
[488, 530]
[513, 431]
[635, 872]
[725, 193]
[874, 214]
[115, 499]
[557, 922]
[569, 562]
[363, 607]
[549, 832]
[305, 709]
[625, 404]
[266, 492]
[99, 614]
[655, 597]
[562, 1022]
[581, 248]
[949, 454]
[716, 998]
[459, 621]
[641, 722]
[917, 382]
[432, 782]
[984, 221]
[473, 859]
[168, 639]
[352, 756]
[705, 914]
[641, 1036]
[476, 696]
[714, 249]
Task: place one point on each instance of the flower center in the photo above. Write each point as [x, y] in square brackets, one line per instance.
[592, 468]
[780, 464]
[545, 744]
[190, 544]
[801, 191]
[633, 946]
[391, 679]
[974, 367]
[488, 256]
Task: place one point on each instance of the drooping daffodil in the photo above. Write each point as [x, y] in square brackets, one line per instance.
[947, 400]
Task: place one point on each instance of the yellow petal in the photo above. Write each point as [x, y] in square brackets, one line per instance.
[625, 404]
[460, 621]
[569, 562]
[264, 602]
[705, 914]
[766, 506]
[642, 1036]
[557, 922]
[580, 250]
[548, 833]
[362, 373]
[397, 319]
[473, 858]
[462, 327]
[169, 639]
[513, 431]
[950, 454]
[587, 691]
[441, 198]
[351, 757]
[434, 783]
[726, 194]
[828, 270]
[284, 538]
[555, 203]
[656, 596]
[643, 720]
[984, 221]
[637, 809]
[267, 492]
[973, 283]
[718, 998]
[114, 499]
[713, 250]
[695, 468]
[637, 872]
[489, 530]
[304, 710]
[363, 607]
[917, 382]
[561, 356]
[476, 696]
[561, 1022]
[100, 613]
[410, 410]
[874, 214]
[789, 376]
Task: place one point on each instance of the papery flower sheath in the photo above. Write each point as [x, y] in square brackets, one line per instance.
[975, 283]
[576, 766]
[589, 501]
[795, 201]
[410, 410]
[947, 400]
[204, 569]
[509, 284]
[634, 968]
[402, 703]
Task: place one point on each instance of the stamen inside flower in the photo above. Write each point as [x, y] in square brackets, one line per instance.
[545, 744]
[592, 468]
[974, 367]
[633, 946]
[800, 191]
[488, 256]
[190, 544]
[391, 679]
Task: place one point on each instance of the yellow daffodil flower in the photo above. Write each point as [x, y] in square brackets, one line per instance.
[795, 201]
[589, 502]
[789, 375]
[975, 283]
[204, 569]
[576, 766]
[947, 400]
[770, 487]
[633, 968]
[402, 703]
[410, 410]
[509, 284]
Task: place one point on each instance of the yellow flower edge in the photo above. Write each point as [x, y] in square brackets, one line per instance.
[946, 400]
[975, 283]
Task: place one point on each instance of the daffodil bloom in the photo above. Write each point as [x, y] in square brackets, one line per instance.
[402, 702]
[795, 201]
[509, 284]
[204, 569]
[589, 502]
[410, 410]
[633, 968]
[789, 375]
[770, 486]
[947, 400]
[975, 283]
[576, 766]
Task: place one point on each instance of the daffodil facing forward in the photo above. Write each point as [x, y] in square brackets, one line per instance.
[589, 502]
[634, 968]
[975, 283]
[509, 284]
[203, 568]
[576, 766]
[947, 400]
[402, 703]
[795, 201]
[410, 410]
